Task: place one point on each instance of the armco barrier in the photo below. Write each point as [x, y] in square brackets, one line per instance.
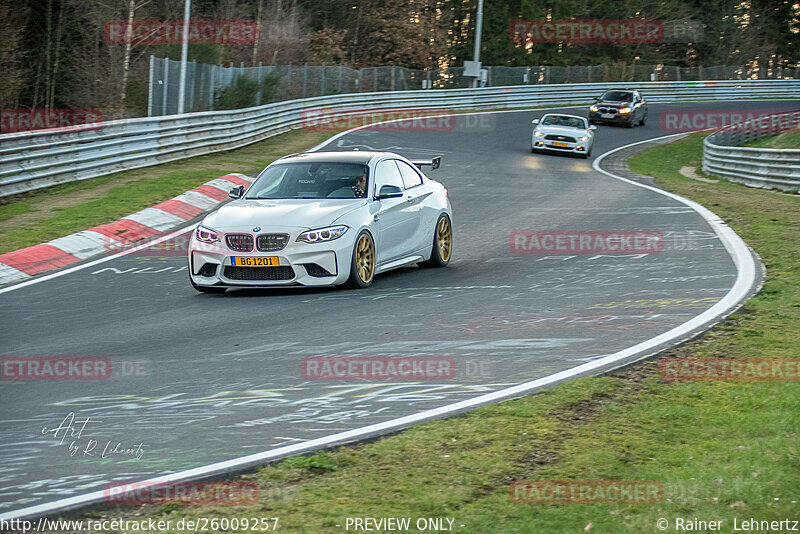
[32, 160]
[757, 167]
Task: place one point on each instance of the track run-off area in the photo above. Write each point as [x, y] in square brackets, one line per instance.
[203, 384]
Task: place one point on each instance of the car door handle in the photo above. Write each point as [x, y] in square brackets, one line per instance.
[376, 217]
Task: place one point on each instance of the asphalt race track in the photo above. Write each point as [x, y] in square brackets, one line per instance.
[205, 378]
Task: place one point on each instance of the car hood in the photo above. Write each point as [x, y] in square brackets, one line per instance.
[561, 130]
[244, 215]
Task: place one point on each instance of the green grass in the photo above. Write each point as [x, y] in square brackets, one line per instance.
[790, 139]
[722, 450]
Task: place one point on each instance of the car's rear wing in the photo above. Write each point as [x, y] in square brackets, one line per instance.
[433, 163]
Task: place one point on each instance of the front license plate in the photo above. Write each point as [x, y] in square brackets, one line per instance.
[254, 261]
[607, 115]
[563, 145]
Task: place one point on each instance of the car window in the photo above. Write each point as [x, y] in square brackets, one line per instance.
[577, 123]
[618, 96]
[387, 173]
[563, 120]
[410, 176]
[310, 180]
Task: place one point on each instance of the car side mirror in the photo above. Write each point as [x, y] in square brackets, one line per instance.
[236, 192]
[592, 127]
[389, 191]
[535, 121]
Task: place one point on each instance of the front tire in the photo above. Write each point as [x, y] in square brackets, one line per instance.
[362, 265]
[442, 249]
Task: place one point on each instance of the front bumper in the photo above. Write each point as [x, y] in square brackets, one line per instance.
[616, 118]
[578, 147]
[308, 264]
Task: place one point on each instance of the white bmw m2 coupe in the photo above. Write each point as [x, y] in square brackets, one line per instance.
[322, 219]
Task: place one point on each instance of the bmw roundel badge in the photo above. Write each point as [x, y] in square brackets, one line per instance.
[257, 229]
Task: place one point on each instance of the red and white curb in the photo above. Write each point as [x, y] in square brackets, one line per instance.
[145, 224]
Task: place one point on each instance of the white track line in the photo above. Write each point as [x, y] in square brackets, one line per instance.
[745, 280]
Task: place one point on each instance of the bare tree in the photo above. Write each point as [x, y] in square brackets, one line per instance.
[12, 54]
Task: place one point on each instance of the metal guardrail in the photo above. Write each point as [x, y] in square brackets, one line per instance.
[775, 168]
[37, 159]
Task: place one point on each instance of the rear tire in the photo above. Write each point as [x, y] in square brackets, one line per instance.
[362, 264]
[644, 119]
[442, 249]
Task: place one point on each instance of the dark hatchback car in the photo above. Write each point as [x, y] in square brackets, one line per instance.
[619, 106]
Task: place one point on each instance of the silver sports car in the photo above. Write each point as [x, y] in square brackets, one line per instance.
[321, 219]
[563, 133]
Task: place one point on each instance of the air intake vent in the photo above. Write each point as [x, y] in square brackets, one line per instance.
[208, 269]
[239, 242]
[272, 242]
[564, 138]
[315, 270]
[259, 273]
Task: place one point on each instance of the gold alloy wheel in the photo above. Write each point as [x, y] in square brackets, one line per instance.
[444, 239]
[365, 258]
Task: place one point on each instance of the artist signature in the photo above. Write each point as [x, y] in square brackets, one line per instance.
[71, 429]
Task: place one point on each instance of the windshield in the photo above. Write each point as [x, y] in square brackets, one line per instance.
[617, 96]
[311, 180]
[563, 120]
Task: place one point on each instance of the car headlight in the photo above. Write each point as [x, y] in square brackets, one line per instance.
[594, 108]
[626, 109]
[583, 138]
[206, 235]
[537, 133]
[322, 234]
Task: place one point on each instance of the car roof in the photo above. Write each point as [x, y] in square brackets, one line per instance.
[350, 156]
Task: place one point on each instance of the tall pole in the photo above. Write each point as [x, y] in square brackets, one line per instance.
[476, 55]
[187, 9]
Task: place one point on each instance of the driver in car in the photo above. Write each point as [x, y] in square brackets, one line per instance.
[360, 186]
